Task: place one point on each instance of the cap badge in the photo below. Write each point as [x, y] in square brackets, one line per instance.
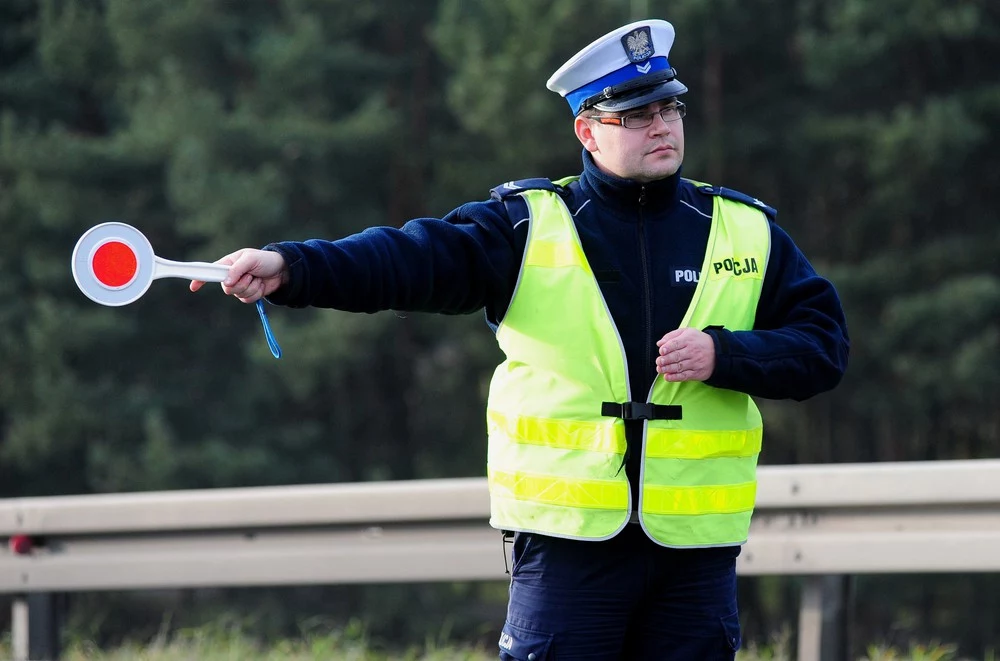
[638, 45]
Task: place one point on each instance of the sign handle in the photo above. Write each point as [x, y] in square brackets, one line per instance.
[204, 271]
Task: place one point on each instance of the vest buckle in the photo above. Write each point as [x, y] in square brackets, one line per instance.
[637, 411]
[641, 411]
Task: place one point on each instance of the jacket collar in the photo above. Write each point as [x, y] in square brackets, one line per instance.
[656, 196]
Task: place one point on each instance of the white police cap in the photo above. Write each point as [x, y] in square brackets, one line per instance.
[624, 69]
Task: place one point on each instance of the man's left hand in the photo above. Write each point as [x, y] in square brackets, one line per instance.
[686, 354]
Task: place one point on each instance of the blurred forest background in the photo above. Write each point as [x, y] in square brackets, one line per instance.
[217, 124]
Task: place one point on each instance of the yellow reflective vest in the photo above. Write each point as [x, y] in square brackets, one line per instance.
[555, 462]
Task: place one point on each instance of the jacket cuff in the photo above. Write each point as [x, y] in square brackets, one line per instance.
[291, 293]
[723, 358]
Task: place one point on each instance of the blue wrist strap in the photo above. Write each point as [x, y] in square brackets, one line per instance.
[272, 343]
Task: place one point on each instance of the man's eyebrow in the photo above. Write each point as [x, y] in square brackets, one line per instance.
[649, 111]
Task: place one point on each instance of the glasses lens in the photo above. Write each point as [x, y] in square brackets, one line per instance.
[639, 120]
[672, 113]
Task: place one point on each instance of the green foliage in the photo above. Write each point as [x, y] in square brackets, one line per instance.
[210, 127]
[229, 642]
[778, 648]
[912, 148]
[223, 643]
[932, 652]
[502, 53]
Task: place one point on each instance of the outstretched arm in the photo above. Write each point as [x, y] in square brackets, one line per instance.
[454, 265]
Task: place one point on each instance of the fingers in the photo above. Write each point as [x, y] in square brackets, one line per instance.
[674, 345]
[675, 339]
[250, 271]
[227, 260]
[677, 364]
[244, 262]
[246, 287]
[683, 372]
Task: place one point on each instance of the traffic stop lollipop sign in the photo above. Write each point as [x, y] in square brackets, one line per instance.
[114, 264]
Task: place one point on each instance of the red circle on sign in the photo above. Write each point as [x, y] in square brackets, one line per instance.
[114, 264]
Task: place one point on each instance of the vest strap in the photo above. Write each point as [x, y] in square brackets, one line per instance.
[641, 411]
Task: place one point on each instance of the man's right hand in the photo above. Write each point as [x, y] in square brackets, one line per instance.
[253, 274]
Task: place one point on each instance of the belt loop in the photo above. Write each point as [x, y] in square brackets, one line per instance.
[508, 538]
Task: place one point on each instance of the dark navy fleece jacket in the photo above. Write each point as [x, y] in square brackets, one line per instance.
[645, 244]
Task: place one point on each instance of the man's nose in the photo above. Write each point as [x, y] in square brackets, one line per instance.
[659, 124]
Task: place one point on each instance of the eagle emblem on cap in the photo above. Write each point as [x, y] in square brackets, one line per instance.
[638, 45]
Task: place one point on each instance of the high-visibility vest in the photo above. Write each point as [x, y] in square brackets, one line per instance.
[555, 461]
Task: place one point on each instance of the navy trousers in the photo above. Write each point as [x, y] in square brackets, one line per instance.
[624, 599]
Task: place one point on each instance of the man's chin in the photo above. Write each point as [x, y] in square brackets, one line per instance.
[660, 171]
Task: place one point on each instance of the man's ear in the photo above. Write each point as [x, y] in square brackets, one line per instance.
[584, 130]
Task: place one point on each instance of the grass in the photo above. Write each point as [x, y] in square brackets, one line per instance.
[215, 644]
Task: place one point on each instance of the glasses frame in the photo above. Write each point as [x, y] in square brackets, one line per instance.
[623, 120]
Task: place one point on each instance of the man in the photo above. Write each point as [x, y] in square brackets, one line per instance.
[638, 312]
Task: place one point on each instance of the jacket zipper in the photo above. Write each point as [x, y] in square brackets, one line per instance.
[645, 276]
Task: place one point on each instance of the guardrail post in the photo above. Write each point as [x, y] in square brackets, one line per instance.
[822, 630]
[19, 627]
[35, 628]
[811, 619]
[43, 632]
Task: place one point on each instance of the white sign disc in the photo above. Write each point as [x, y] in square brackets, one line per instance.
[113, 264]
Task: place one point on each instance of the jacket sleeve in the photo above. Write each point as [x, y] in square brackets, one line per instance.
[454, 265]
[799, 345]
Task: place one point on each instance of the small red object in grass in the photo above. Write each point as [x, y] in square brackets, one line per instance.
[21, 544]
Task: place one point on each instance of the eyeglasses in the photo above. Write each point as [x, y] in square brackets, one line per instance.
[640, 120]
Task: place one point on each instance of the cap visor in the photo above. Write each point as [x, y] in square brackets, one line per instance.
[642, 97]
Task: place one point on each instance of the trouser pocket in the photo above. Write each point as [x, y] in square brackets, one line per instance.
[731, 628]
[520, 644]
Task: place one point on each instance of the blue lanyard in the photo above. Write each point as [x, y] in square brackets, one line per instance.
[272, 343]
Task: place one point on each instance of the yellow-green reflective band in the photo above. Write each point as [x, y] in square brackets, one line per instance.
[689, 444]
[555, 254]
[569, 492]
[699, 500]
[566, 434]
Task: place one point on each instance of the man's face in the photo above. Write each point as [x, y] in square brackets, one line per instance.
[641, 154]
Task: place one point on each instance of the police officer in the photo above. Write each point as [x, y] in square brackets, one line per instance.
[639, 312]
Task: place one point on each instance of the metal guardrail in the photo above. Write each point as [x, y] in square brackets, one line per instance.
[817, 521]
